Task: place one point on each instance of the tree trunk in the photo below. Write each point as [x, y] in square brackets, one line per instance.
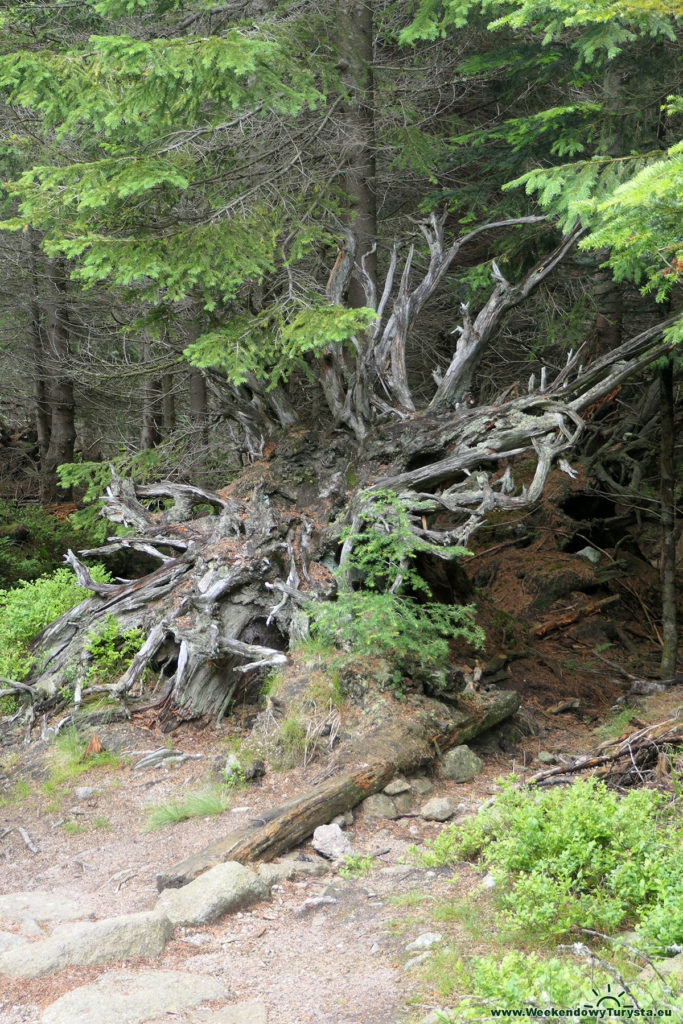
[668, 520]
[356, 65]
[401, 746]
[199, 413]
[150, 434]
[62, 406]
[167, 404]
[41, 400]
[231, 588]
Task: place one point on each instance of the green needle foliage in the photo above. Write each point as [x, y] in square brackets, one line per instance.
[388, 609]
[111, 649]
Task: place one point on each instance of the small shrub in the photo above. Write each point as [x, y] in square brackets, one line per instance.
[111, 649]
[581, 857]
[390, 612]
[28, 608]
[194, 805]
[356, 866]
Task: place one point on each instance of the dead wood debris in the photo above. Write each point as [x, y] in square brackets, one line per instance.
[645, 757]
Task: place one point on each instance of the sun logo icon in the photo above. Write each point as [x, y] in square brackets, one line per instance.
[609, 998]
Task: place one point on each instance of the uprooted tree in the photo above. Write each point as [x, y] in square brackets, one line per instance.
[234, 584]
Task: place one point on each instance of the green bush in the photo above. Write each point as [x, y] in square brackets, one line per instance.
[390, 613]
[32, 542]
[28, 608]
[580, 857]
[111, 649]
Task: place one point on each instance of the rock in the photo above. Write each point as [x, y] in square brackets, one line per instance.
[129, 997]
[289, 867]
[670, 969]
[437, 809]
[330, 842]
[221, 890]
[41, 906]
[89, 942]
[379, 806]
[343, 820]
[314, 903]
[403, 803]
[424, 941]
[84, 792]
[9, 939]
[255, 770]
[573, 704]
[421, 785]
[461, 764]
[545, 757]
[397, 786]
[415, 960]
[488, 882]
[590, 553]
[435, 1017]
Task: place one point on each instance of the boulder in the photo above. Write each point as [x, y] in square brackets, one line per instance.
[397, 786]
[221, 890]
[130, 997]
[289, 867]
[421, 785]
[89, 942]
[41, 906]
[460, 764]
[380, 806]
[331, 842]
[438, 809]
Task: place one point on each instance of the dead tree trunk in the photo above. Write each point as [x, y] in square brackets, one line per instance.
[231, 588]
[401, 746]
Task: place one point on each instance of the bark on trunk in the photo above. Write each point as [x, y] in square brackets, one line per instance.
[62, 406]
[397, 748]
[199, 412]
[48, 483]
[356, 23]
[668, 517]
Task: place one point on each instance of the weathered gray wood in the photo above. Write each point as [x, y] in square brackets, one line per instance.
[398, 746]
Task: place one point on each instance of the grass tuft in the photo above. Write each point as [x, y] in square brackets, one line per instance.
[195, 805]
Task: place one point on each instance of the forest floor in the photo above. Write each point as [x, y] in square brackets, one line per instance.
[342, 962]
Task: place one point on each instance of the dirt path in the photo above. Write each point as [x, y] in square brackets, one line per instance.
[341, 962]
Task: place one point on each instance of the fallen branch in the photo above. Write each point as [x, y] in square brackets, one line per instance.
[398, 747]
[575, 615]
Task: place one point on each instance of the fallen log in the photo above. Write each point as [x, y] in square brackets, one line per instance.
[394, 748]
[575, 615]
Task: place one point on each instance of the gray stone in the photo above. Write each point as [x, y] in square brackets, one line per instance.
[397, 786]
[314, 903]
[545, 757]
[41, 906]
[590, 553]
[379, 806]
[435, 1017]
[330, 841]
[415, 960]
[343, 820]
[289, 867]
[84, 792]
[438, 809]
[488, 882]
[424, 941]
[461, 764]
[404, 802]
[220, 890]
[670, 969]
[129, 997]
[9, 939]
[89, 942]
[421, 785]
